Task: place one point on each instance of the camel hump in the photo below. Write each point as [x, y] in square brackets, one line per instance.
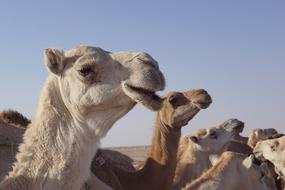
[12, 117]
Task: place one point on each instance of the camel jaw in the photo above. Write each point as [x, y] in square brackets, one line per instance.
[184, 114]
[146, 97]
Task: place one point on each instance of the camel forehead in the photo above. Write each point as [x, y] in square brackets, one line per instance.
[84, 50]
[87, 55]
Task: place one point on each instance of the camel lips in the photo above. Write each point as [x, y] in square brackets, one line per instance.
[144, 91]
[146, 97]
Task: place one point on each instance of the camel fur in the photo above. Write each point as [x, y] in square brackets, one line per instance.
[195, 150]
[257, 135]
[157, 171]
[234, 171]
[273, 150]
[87, 91]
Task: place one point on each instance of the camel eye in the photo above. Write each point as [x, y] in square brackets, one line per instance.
[213, 134]
[84, 71]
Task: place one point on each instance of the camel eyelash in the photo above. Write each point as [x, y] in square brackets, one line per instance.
[84, 71]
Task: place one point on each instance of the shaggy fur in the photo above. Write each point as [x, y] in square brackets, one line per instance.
[87, 91]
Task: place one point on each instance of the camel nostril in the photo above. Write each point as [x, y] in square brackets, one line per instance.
[149, 63]
[202, 91]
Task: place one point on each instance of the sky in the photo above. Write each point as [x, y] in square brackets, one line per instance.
[233, 49]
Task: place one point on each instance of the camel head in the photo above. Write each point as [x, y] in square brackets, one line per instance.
[272, 150]
[259, 135]
[92, 80]
[180, 107]
[215, 139]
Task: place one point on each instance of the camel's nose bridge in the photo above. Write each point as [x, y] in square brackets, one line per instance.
[142, 69]
[144, 66]
[150, 63]
[145, 58]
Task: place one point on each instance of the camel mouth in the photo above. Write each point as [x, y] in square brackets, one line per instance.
[203, 104]
[146, 97]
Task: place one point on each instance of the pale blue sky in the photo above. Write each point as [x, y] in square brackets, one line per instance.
[234, 49]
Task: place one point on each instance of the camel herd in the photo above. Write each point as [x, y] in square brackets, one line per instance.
[88, 89]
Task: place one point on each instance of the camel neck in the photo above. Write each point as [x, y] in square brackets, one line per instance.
[164, 143]
[58, 146]
[191, 164]
[159, 168]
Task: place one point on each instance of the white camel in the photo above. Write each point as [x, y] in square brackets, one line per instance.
[233, 171]
[195, 150]
[273, 150]
[87, 91]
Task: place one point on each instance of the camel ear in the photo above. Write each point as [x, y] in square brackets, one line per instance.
[193, 139]
[177, 99]
[54, 60]
[214, 158]
[247, 162]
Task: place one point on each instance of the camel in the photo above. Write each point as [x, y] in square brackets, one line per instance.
[273, 150]
[12, 117]
[234, 171]
[195, 150]
[158, 170]
[245, 145]
[10, 138]
[257, 135]
[87, 91]
[12, 128]
[185, 106]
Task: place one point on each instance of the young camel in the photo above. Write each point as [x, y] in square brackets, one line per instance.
[158, 170]
[273, 150]
[87, 91]
[233, 171]
[195, 150]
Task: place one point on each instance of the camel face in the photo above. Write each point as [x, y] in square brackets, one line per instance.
[93, 80]
[272, 150]
[214, 139]
[179, 108]
[259, 135]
